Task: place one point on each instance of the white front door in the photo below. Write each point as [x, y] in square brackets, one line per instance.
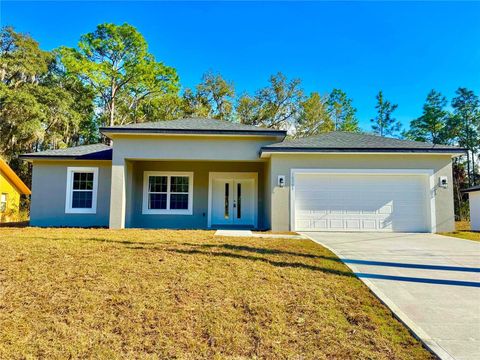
[233, 199]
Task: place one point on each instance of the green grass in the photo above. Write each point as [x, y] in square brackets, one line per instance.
[462, 231]
[71, 293]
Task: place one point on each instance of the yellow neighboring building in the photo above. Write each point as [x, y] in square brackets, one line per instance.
[11, 187]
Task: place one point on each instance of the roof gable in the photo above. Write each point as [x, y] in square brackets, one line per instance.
[14, 179]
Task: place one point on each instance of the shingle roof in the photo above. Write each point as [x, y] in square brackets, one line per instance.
[84, 152]
[472, 189]
[339, 141]
[328, 142]
[194, 126]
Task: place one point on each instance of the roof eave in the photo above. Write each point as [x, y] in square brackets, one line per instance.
[31, 158]
[265, 151]
[13, 177]
[466, 191]
[102, 155]
[136, 131]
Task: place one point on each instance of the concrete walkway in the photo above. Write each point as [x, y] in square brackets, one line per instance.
[234, 233]
[431, 282]
[249, 233]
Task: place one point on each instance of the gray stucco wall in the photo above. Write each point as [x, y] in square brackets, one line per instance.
[49, 188]
[50, 180]
[282, 164]
[267, 207]
[189, 148]
[200, 169]
[131, 149]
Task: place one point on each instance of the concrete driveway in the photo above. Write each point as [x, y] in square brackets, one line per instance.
[431, 282]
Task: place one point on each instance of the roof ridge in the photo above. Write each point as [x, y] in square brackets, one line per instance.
[195, 119]
[195, 124]
[353, 133]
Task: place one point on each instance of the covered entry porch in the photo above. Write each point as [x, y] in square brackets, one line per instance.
[184, 194]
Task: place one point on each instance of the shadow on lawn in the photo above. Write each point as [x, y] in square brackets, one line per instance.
[261, 250]
[154, 245]
[346, 261]
[282, 264]
[165, 246]
[101, 240]
[285, 264]
[139, 245]
[258, 250]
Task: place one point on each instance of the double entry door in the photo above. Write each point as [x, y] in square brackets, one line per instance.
[234, 199]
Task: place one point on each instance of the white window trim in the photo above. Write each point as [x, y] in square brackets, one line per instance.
[2, 196]
[68, 198]
[169, 174]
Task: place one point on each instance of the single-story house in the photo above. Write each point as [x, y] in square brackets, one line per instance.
[474, 200]
[11, 187]
[201, 173]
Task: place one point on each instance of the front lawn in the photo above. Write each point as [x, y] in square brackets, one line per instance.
[71, 293]
[462, 231]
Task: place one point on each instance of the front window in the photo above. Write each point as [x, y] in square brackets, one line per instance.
[3, 202]
[167, 193]
[81, 190]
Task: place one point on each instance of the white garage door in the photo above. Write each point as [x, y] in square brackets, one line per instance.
[360, 202]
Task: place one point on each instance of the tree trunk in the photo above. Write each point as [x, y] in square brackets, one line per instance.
[112, 112]
[468, 169]
[112, 108]
[473, 169]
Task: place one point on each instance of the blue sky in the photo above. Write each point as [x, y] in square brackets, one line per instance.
[405, 48]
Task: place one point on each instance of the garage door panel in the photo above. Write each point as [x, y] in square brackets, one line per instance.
[353, 224]
[320, 224]
[342, 206]
[369, 225]
[355, 195]
[361, 202]
[344, 225]
[336, 224]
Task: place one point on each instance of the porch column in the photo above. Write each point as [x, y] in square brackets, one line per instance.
[118, 194]
[280, 196]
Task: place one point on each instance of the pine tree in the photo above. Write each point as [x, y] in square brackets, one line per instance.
[432, 125]
[465, 127]
[342, 112]
[314, 117]
[384, 124]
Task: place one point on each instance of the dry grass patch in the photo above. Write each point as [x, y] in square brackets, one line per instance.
[462, 231]
[71, 293]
